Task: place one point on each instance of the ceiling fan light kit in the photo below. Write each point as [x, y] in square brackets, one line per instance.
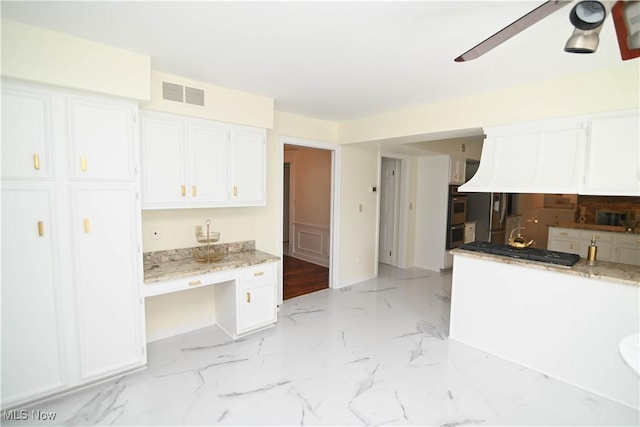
[583, 41]
[587, 17]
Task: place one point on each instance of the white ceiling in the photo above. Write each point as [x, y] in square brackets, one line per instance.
[329, 60]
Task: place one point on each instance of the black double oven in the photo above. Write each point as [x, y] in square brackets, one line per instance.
[456, 217]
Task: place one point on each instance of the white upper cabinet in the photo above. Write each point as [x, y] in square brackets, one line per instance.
[163, 159]
[188, 162]
[26, 134]
[597, 154]
[208, 164]
[613, 155]
[247, 172]
[101, 140]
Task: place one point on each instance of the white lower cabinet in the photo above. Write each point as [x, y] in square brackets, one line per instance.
[626, 249]
[105, 279]
[33, 346]
[248, 303]
[616, 247]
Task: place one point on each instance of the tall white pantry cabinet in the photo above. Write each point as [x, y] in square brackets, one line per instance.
[71, 241]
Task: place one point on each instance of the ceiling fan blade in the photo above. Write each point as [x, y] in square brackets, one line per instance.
[537, 14]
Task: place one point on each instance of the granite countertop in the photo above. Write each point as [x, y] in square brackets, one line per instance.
[179, 263]
[596, 227]
[626, 274]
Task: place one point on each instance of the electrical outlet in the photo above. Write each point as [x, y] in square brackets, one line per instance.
[155, 235]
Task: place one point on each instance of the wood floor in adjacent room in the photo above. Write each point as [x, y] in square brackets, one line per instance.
[301, 277]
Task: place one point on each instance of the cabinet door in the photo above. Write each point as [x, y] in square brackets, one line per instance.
[628, 254]
[257, 305]
[613, 156]
[26, 134]
[163, 155]
[32, 330]
[208, 164]
[564, 245]
[106, 279]
[248, 166]
[101, 140]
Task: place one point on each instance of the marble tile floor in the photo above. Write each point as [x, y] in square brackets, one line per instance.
[375, 353]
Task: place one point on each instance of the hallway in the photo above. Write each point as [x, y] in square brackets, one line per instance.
[301, 277]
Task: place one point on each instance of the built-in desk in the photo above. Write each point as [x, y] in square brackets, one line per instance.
[245, 281]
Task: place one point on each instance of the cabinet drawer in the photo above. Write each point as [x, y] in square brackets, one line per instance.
[601, 236]
[261, 271]
[564, 232]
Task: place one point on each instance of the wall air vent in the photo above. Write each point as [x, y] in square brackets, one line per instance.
[194, 96]
[172, 92]
[183, 94]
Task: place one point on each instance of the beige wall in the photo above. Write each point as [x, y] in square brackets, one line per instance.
[44, 56]
[615, 88]
[312, 186]
[220, 104]
[358, 227]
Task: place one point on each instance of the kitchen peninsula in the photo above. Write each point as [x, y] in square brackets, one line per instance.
[565, 322]
[244, 278]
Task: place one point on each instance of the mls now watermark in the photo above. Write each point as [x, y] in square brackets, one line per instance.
[26, 415]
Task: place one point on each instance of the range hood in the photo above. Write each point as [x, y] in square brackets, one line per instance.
[598, 155]
[531, 159]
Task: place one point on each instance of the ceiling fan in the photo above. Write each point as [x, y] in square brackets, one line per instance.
[587, 18]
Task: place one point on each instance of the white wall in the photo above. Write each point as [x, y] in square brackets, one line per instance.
[431, 212]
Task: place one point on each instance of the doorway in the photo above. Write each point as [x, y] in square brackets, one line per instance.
[307, 218]
[389, 215]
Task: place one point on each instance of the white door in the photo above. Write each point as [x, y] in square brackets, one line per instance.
[26, 134]
[163, 162]
[32, 331]
[106, 278]
[248, 155]
[388, 204]
[208, 165]
[101, 140]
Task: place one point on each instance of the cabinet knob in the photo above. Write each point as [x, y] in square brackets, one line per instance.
[36, 162]
[40, 228]
[195, 283]
[194, 191]
[183, 189]
[235, 191]
[248, 296]
[258, 273]
[87, 225]
[83, 164]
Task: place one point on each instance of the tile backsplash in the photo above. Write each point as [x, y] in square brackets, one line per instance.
[609, 203]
